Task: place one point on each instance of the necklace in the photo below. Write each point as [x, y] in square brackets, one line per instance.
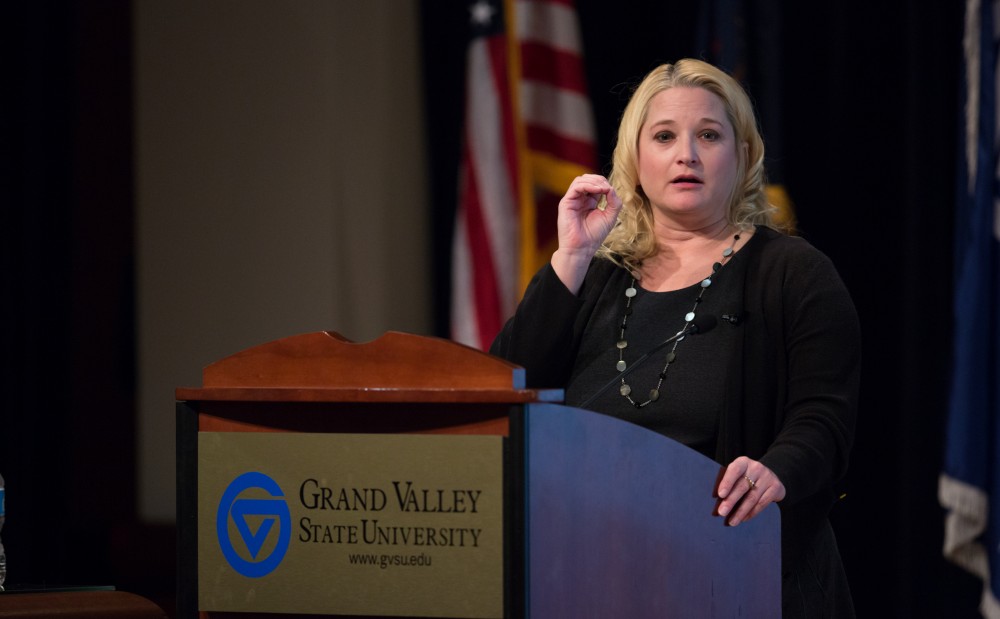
[622, 344]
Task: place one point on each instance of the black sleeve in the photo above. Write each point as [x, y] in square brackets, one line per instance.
[822, 359]
[541, 336]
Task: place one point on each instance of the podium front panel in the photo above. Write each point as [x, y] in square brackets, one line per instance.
[351, 524]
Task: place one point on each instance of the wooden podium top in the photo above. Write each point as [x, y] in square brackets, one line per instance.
[324, 366]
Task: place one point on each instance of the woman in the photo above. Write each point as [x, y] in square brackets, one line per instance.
[682, 229]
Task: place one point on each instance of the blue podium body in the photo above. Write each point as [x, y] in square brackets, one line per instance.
[620, 523]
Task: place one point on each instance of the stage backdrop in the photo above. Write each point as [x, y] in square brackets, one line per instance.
[280, 189]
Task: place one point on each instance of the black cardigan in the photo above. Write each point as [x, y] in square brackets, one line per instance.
[792, 397]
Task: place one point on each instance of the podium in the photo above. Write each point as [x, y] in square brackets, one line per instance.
[414, 477]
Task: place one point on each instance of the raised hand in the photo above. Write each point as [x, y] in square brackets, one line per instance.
[587, 213]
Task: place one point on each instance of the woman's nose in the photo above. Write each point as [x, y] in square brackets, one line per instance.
[687, 150]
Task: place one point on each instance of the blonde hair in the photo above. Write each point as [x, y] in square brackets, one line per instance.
[632, 239]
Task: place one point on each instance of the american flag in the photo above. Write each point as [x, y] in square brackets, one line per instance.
[528, 132]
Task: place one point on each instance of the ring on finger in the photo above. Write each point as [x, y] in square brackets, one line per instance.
[752, 483]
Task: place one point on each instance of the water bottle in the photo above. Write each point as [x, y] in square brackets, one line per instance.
[3, 555]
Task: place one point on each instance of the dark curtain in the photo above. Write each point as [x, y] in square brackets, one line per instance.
[35, 436]
[865, 142]
[67, 418]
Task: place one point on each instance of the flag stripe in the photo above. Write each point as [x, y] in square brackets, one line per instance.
[565, 112]
[552, 23]
[546, 64]
[491, 149]
[508, 119]
[570, 150]
[484, 283]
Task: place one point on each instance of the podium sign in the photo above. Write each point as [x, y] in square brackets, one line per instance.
[351, 524]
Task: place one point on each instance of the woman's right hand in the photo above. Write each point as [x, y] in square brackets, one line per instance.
[582, 226]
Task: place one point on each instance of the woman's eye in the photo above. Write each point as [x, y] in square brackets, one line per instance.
[663, 136]
[710, 135]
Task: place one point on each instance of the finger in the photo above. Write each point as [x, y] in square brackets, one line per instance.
[594, 178]
[747, 507]
[612, 203]
[734, 473]
[588, 184]
[736, 497]
[730, 507]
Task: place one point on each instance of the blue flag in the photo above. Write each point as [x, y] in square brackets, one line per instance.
[970, 483]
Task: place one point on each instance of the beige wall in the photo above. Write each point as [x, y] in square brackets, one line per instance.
[281, 188]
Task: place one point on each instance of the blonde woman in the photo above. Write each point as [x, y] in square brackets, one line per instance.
[681, 232]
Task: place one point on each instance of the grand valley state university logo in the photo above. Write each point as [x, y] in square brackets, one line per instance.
[265, 513]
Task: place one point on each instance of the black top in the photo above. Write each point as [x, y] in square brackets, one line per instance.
[690, 397]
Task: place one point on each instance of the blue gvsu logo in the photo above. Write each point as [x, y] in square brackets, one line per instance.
[255, 520]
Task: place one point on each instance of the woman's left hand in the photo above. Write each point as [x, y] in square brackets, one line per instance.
[747, 487]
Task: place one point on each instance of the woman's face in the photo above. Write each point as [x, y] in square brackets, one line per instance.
[687, 156]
